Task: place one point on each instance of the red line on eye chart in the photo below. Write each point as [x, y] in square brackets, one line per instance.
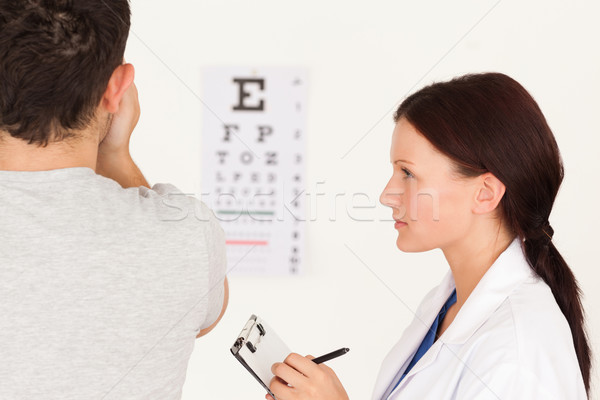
[247, 242]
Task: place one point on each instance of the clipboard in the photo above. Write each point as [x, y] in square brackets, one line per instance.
[257, 348]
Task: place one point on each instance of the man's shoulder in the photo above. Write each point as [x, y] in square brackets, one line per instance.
[163, 202]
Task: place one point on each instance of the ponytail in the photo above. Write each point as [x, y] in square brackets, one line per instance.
[548, 264]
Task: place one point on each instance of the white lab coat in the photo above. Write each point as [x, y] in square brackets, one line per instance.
[509, 341]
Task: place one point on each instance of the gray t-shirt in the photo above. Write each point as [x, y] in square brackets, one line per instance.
[102, 289]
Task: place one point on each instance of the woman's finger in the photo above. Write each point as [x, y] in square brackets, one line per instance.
[302, 365]
[288, 374]
[280, 389]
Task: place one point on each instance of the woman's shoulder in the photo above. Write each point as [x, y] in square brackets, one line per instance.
[531, 319]
[529, 334]
[535, 317]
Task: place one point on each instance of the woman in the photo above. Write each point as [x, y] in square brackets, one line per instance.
[476, 170]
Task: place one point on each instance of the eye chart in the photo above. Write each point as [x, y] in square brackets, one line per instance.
[253, 152]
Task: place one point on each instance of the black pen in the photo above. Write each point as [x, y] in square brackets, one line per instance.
[330, 356]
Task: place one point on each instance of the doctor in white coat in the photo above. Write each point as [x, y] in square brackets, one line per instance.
[497, 347]
[476, 170]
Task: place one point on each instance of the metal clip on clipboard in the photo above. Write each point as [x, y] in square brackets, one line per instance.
[257, 348]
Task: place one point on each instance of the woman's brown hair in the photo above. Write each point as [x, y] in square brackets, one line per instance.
[489, 122]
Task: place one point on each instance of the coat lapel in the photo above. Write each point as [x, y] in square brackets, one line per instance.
[507, 272]
[399, 357]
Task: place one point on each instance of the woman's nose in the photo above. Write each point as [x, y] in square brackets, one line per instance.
[391, 196]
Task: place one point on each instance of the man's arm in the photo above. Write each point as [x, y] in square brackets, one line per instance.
[114, 160]
[121, 168]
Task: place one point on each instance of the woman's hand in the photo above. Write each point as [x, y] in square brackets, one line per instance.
[307, 380]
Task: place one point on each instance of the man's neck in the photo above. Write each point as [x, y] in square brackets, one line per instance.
[17, 155]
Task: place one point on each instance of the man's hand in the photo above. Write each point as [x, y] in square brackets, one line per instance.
[116, 140]
[298, 378]
[114, 160]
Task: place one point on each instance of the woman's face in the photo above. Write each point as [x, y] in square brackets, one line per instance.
[431, 204]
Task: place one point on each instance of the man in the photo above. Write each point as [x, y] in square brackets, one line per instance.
[104, 281]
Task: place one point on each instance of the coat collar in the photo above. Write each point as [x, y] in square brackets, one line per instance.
[508, 271]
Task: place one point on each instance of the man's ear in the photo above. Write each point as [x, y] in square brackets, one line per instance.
[489, 193]
[119, 82]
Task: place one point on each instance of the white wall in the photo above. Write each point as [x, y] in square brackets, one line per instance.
[363, 58]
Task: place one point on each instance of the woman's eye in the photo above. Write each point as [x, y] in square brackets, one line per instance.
[407, 173]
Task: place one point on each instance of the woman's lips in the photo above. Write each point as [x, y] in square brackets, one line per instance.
[399, 224]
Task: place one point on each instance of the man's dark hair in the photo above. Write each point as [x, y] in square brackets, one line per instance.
[56, 58]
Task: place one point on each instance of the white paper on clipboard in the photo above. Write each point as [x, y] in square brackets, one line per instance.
[257, 348]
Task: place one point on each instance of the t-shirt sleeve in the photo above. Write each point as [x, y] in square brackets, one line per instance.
[176, 206]
[163, 189]
[215, 243]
